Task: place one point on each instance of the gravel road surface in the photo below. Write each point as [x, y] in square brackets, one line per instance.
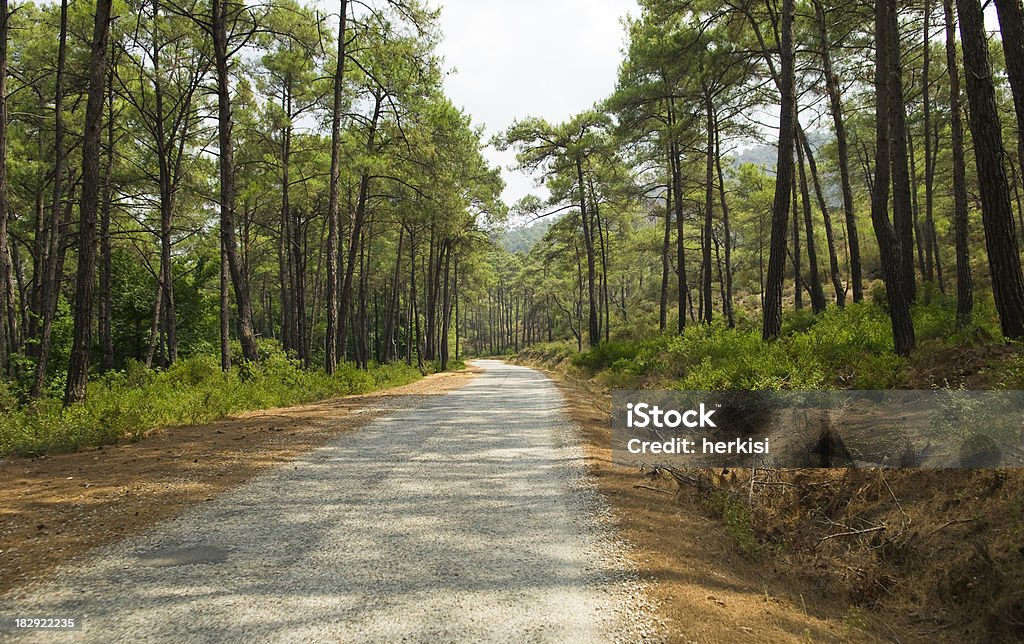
[465, 518]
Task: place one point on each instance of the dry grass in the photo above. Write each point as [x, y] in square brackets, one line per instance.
[823, 554]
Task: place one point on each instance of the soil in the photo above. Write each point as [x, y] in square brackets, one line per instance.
[866, 554]
[702, 588]
[59, 507]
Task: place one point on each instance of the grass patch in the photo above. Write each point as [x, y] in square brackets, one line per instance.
[126, 404]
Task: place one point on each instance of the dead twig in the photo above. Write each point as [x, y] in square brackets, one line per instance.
[852, 533]
[654, 489]
[893, 495]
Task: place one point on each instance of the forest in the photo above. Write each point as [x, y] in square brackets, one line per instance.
[207, 207]
[881, 235]
[214, 206]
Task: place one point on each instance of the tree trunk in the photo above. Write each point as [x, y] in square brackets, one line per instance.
[666, 260]
[333, 215]
[817, 294]
[359, 218]
[51, 277]
[165, 150]
[1011, 27]
[227, 195]
[603, 239]
[677, 202]
[832, 88]
[888, 241]
[915, 209]
[709, 201]
[996, 211]
[78, 367]
[929, 161]
[772, 323]
[833, 259]
[446, 313]
[593, 333]
[798, 292]
[361, 339]
[455, 296]
[727, 307]
[964, 282]
[154, 327]
[902, 209]
[106, 304]
[390, 345]
[415, 313]
[7, 333]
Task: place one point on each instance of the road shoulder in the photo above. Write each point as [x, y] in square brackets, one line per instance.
[701, 588]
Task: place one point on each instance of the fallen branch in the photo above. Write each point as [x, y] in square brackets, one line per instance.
[654, 489]
[852, 533]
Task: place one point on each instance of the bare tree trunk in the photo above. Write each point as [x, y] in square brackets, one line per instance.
[677, 202]
[996, 211]
[832, 87]
[390, 347]
[727, 307]
[929, 160]
[8, 330]
[333, 214]
[1011, 27]
[345, 296]
[817, 294]
[154, 327]
[106, 298]
[888, 241]
[915, 209]
[709, 202]
[78, 367]
[603, 239]
[227, 195]
[798, 292]
[446, 312]
[902, 209]
[666, 263]
[833, 259]
[455, 296]
[415, 313]
[361, 340]
[772, 323]
[51, 276]
[964, 283]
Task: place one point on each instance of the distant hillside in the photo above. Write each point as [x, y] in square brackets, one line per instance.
[768, 153]
[521, 239]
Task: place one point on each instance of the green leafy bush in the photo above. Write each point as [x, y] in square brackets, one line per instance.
[128, 403]
[848, 347]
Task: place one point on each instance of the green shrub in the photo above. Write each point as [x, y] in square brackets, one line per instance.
[735, 514]
[849, 347]
[604, 355]
[128, 403]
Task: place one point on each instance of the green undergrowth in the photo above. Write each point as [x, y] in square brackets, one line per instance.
[847, 347]
[127, 403]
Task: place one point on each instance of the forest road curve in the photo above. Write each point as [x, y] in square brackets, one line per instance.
[466, 518]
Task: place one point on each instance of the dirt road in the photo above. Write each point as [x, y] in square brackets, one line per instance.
[465, 518]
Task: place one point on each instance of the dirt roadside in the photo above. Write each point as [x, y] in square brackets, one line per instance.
[57, 508]
[702, 588]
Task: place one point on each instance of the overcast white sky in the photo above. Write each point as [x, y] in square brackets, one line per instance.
[547, 58]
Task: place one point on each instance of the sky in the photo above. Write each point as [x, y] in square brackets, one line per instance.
[546, 58]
